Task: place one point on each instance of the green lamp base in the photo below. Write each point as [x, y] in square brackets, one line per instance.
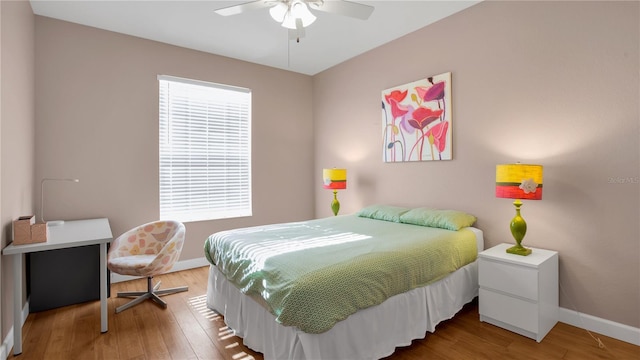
[519, 250]
[518, 229]
[335, 204]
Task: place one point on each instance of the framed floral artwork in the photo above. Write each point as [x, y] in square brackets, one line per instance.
[416, 120]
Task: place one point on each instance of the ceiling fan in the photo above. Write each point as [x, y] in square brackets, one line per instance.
[295, 14]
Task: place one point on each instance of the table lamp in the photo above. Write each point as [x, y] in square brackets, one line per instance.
[519, 181]
[335, 179]
[55, 222]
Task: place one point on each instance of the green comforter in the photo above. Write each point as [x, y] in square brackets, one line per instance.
[312, 274]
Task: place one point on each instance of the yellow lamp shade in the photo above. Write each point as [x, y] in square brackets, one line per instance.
[335, 179]
[519, 181]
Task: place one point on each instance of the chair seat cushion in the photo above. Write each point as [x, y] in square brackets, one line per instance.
[136, 265]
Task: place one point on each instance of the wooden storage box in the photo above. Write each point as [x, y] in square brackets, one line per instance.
[39, 232]
[23, 231]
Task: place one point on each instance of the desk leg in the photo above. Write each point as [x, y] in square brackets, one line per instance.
[17, 304]
[103, 288]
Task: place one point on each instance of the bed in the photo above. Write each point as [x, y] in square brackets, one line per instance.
[347, 287]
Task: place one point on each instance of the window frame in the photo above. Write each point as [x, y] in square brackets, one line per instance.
[200, 130]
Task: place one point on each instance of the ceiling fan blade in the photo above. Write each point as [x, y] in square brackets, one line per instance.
[241, 8]
[341, 7]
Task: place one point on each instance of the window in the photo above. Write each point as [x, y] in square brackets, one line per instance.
[205, 150]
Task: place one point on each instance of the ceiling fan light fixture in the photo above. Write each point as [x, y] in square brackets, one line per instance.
[279, 11]
[297, 10]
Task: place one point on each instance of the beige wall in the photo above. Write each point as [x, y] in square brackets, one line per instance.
[96, 117]
[16, 134]
[2, 241]
[554, 83]
[97, 120]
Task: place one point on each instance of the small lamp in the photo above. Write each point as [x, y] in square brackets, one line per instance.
[519, 181]
[335, 179]
[56, 222]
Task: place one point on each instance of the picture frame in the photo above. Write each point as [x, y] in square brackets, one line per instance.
[417, 120]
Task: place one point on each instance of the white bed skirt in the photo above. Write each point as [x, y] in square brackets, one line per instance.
[370, 333]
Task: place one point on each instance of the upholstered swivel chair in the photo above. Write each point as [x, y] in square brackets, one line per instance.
[148, 250]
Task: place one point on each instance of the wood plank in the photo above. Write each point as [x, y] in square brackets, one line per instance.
[201, 343]
[172, 338]
[40, 328]
[187, 329]
[148, 330]
[60, 342]
[84, 335]
[129, 342]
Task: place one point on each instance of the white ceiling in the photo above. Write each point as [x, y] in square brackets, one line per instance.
[254, 36]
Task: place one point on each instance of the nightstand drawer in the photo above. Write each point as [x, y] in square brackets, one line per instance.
[513, 311]
[511, 279]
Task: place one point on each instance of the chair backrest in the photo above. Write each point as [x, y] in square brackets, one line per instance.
[150, 239]
[171, 250]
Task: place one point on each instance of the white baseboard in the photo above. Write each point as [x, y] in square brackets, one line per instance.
[7, 344]
[605, 327]
[178, 266]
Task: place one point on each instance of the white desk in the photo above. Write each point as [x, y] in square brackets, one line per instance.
[70, 234]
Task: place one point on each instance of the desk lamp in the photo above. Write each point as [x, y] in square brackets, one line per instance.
[55, 222]
[519, 181]
[334, 179]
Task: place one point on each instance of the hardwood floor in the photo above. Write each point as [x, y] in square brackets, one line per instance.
[188, 330]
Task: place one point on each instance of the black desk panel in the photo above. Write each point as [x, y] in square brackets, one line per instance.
[64, 277]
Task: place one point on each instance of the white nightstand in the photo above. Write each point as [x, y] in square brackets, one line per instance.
[519, 293]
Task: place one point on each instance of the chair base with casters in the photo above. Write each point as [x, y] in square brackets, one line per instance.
[152, 293]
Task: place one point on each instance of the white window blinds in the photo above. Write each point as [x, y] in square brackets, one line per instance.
[205, 150]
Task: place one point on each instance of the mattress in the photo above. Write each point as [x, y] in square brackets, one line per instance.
[369, 333]
[338, 264]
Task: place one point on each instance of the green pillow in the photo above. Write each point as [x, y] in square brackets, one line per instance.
[382, 212]
[444, 219]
